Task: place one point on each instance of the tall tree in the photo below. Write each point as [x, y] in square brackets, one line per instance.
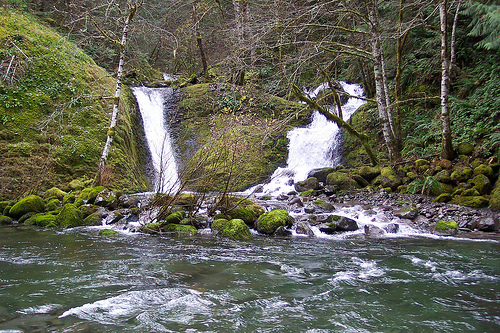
[132, 9]
[446, 143]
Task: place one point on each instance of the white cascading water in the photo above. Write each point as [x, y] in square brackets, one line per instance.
[152, 102]
[314, 146]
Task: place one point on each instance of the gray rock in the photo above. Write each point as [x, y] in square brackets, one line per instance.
[304, 229]
[347, 224]
[373, 231]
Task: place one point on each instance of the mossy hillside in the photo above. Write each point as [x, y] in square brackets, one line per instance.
[234, 134]
[54, 112]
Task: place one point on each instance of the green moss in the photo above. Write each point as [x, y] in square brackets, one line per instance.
[445, 225]
[465, 149]
[30, 204]
[69, 217]
[421, 162]
[495, 197]
[461, 174]
[55, 192]
[5, 220]
[268, 222]
[93, 219]
[307, 193]
[41, 220]
[53, 204]
[108, 232]
[470, 201]
[59, 127]
[181, 229]
[176, 217]
[483, 170]
[151, 228]
[234, 229]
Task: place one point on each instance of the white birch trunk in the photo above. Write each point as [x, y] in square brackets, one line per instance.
[447, 147]
[116, 99]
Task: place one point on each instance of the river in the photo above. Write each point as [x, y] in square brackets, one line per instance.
[77, 281]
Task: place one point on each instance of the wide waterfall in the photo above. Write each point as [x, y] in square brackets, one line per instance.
[155, 105]
[314, 146]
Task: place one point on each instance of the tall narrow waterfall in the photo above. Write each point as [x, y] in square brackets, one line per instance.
[155, 105]
[314, 146]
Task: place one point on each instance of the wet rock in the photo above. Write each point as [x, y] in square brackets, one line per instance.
[310, 183]
[283, 232]
[392, 228]
[445, 228]
[309, 209]
[296, 201]
[303, 228]
[488, 224]
[324, 206]
[269, 222]
[373, 231]
[347, 224]
[327, 228]
[409, 212]
[320, 174]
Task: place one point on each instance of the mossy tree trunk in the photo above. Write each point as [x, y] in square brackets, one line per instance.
[116, 100]
[199, 42]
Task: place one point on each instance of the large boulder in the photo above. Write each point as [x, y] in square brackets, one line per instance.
[70, 216]
[346, 224]
[234, 229]
[387, 178]
[311, 183]
[369, 173]
[482, 184]
[269, 222]
[342, 181]
[30, 204]
[461, 174]
[465, 149]
[445, 228]
[320, 174]
[483, 170]
[181, 229]
[408, 212]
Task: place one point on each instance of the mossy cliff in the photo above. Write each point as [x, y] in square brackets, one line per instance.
[232, 137]
[55, 104]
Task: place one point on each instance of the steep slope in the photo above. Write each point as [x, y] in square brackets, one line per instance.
[54, 109]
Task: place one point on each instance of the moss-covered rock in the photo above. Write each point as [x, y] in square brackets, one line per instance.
[470, 201]
[181, 229]
[3, 205]
[55, 192]
[268, 222]
[70, 198]
[105, 198]
[234, 229]
[30, 204]
[53, 204]
[444, 197]
[76, 185]
[483, 170]
[342, 181]
[70, 216]
[108, 232]
[439, 188]
[461, 174]
[495, 196]
[323, 205]
[320, 175]
[482, 184]
[465, 149]
[369, 173]
[388, 179]
[4, 220]
[311, 183]
[421, 162]
[82, 197]
[444, 163]
[185, 201]
[443, 176]
[94, 193]
[151, 228]
[446, 227]
[41, 220]
[175, 218]
[93, 219]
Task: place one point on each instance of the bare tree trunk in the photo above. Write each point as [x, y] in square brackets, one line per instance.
[446, 144]
[453, 45]
[199, 41]
[112, 128]
[379, 83]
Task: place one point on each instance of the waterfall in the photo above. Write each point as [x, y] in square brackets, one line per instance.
[314, 146]
[155, 105]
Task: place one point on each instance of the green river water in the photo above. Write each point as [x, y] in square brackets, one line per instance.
[77, 281]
